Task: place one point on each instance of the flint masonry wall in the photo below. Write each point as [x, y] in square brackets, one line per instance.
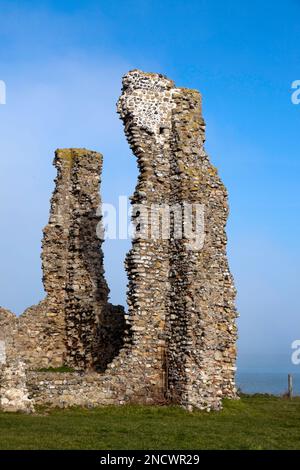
[181, 299]
[72, 256]
[180, 334]
[201, 330]
[74, 323]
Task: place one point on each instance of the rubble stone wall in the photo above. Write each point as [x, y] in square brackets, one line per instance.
[14, 395]
[180, 297]
[201, 330]
[178, 341]
[72, 256]
[66, 327]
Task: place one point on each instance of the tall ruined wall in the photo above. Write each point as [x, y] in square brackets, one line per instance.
[146, 109]
[201, 325]
[181, 298]
[179, 341]
[66, 327]
[72, 256]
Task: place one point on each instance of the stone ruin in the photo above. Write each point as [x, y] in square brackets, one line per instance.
[64, 329]
[177, 343]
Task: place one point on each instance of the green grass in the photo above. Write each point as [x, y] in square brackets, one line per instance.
[254, 422]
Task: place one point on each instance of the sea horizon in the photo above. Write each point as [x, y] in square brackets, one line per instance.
[269, 382]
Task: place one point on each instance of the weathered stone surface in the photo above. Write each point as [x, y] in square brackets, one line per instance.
[13, 388]
[181, 300]
[66, 327]
[179, 341]
[69, 389]
[72, 256]
[2, 352]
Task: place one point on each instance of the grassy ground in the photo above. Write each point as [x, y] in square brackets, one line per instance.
[254, 422]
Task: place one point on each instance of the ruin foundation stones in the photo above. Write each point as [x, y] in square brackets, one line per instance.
[177, 343]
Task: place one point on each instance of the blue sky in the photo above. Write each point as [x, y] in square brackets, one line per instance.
[62, 62]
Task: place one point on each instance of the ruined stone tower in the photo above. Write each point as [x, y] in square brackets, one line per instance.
[181, 297]
[66, 327]
[179, 341]
[72, 257]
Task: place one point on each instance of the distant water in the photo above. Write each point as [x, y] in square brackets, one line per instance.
[274, 383]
